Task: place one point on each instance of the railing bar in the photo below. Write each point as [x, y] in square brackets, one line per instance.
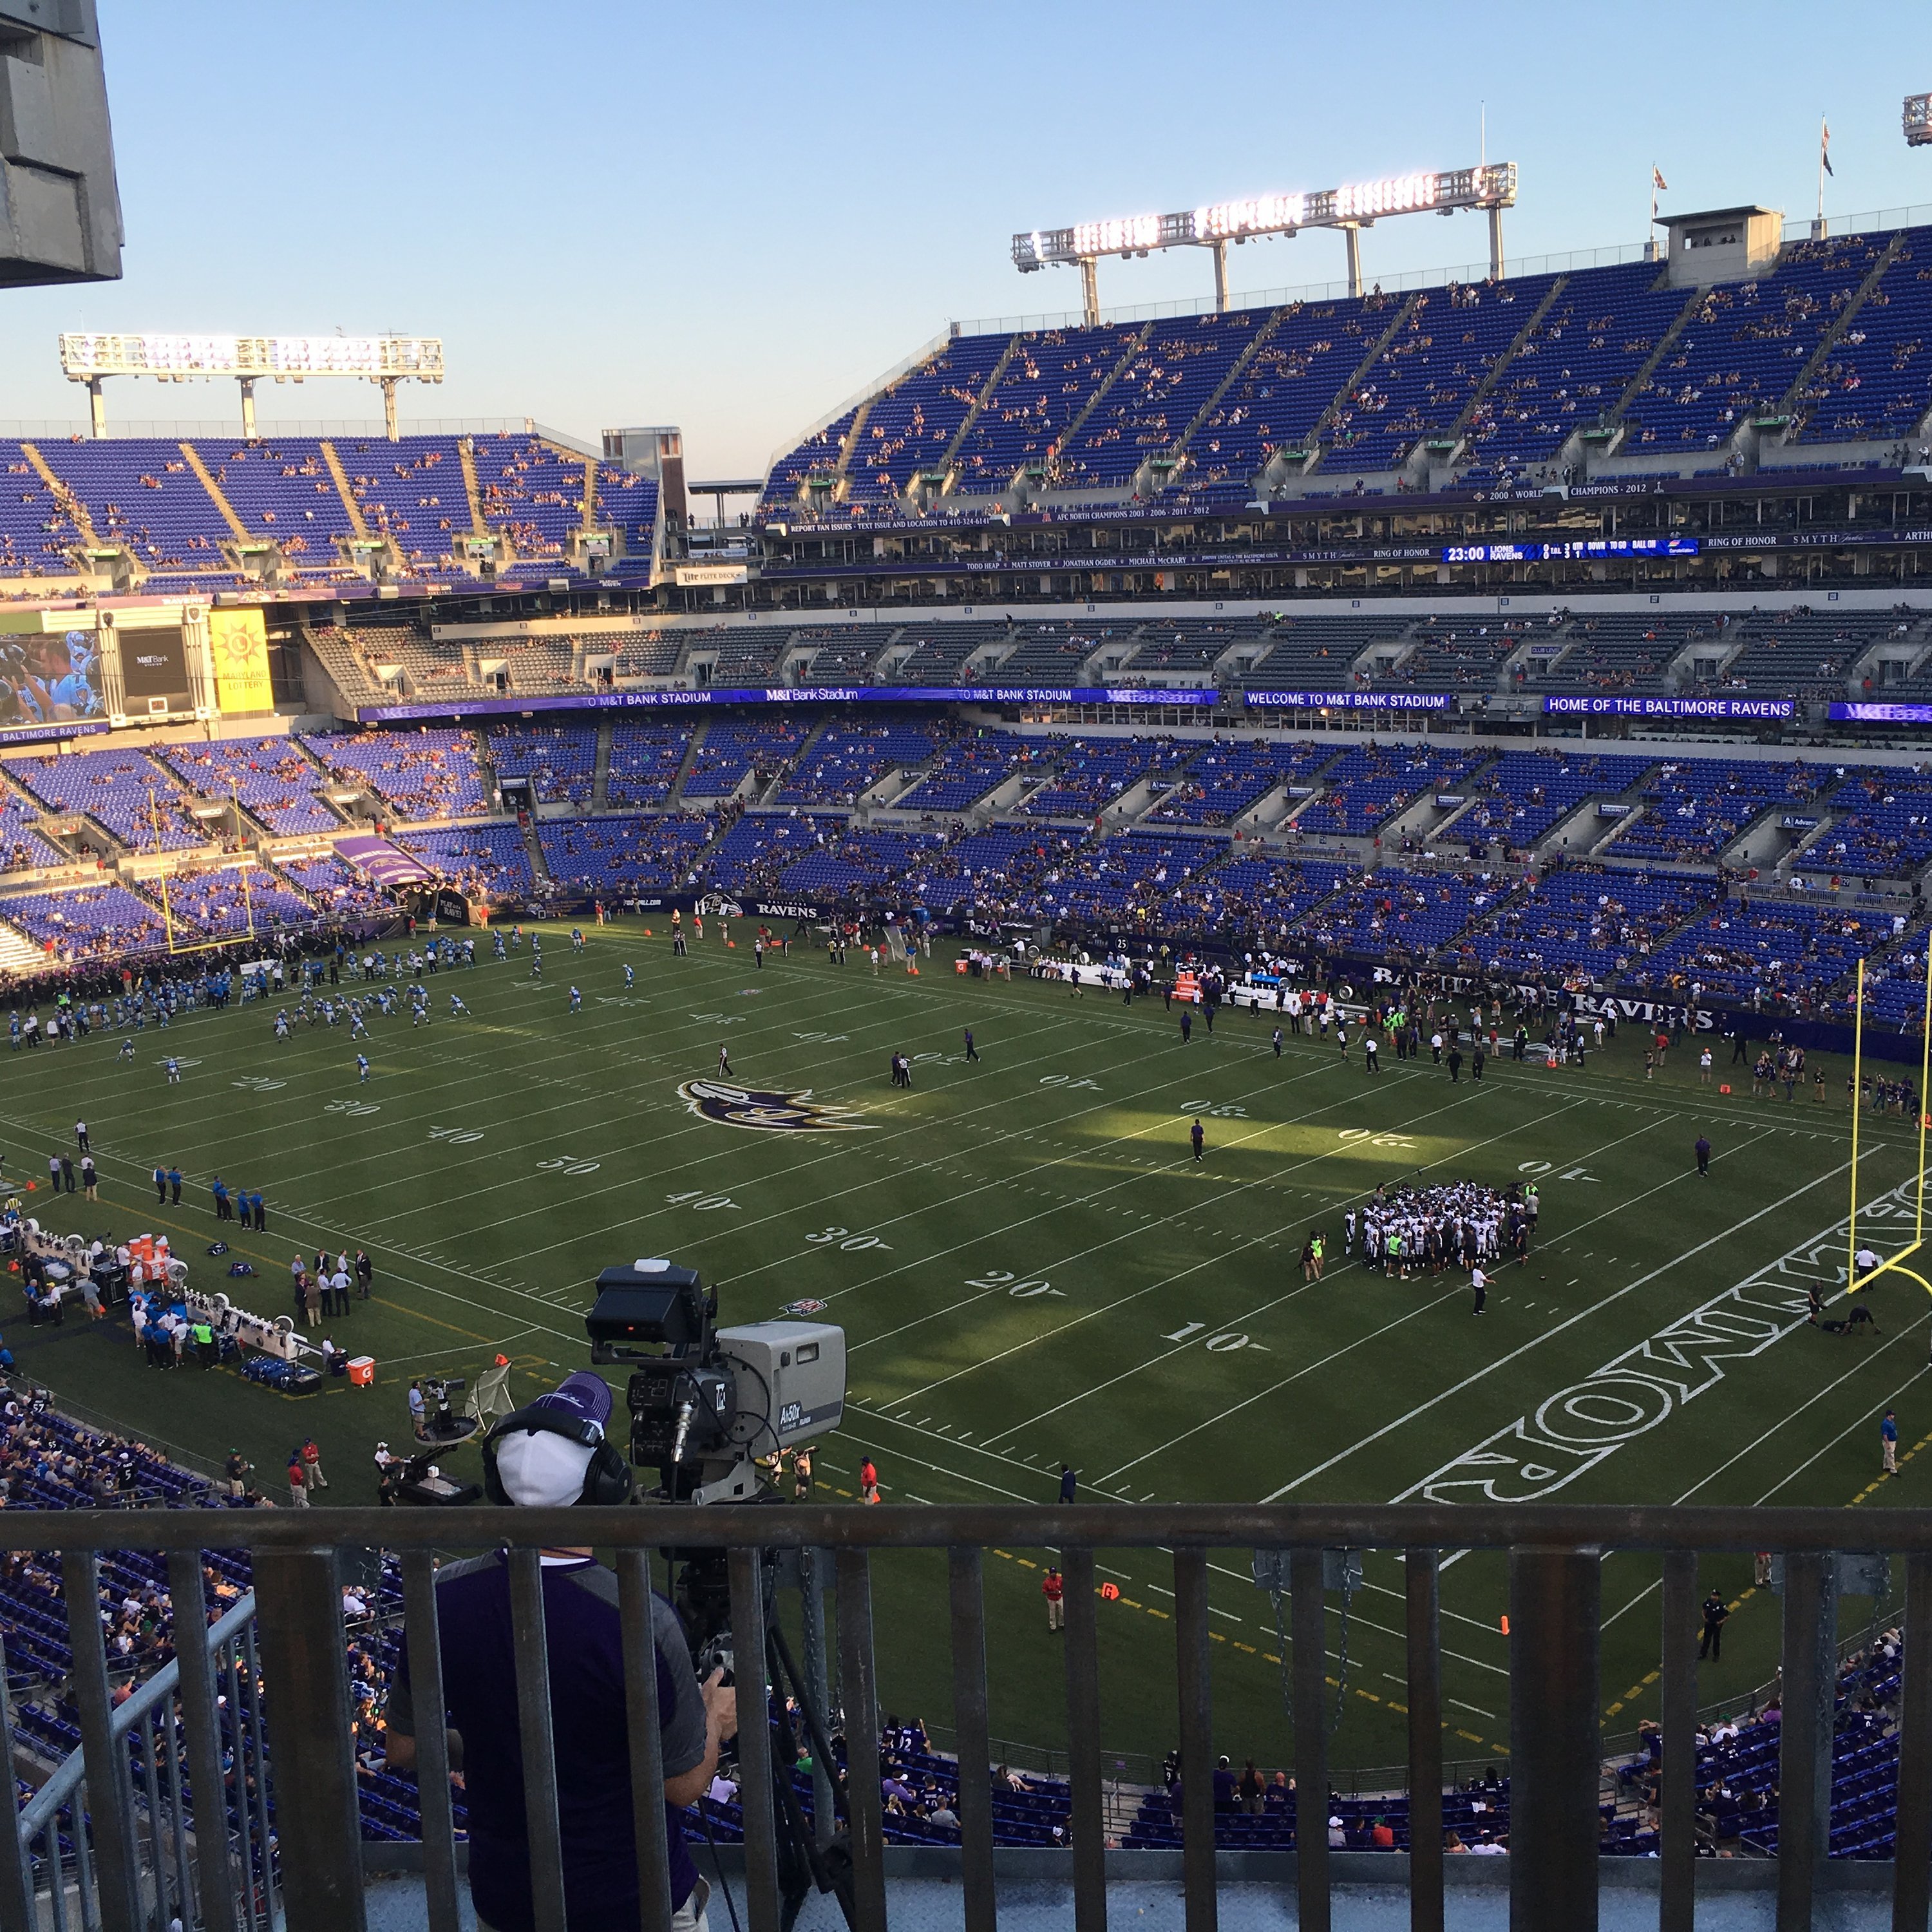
[1307, 1611]
[109, 1797]
[973, 1738]
[1656, 1528]
[544, 1834]
[1911, 1870]
[423, 1633]
[229, 1671]
[1677, 1899]
[637, 1615]
[318, 1840]
[57, 1874]
[1083, 1742]
[1422, 1573]
[16, 1858]
[258, 1750]
[1197, 1738]
[84, 1892]
[1555, 1613]
[751, 1673]
[151, 1783]
[179, 1785]
[1805, 1585]
[859, 1685]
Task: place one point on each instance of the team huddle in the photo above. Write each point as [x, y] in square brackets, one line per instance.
[1406, 1231]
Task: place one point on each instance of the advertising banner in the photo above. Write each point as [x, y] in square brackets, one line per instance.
[863, 694]
[1673, 707]
[238, 642]
[1349, 700]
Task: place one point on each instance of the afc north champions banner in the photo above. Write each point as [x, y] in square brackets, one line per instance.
[238, 641]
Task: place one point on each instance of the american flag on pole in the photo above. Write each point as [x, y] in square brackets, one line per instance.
[1657, 182]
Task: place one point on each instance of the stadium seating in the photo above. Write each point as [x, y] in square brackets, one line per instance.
[36, 532]
[967, 769]
[855, 862]
[1694, 808]
[1091, 773]
[1429, 371]
[1364, 789]
[1048, 383]
[90, 923]
[423, 774]
[912, 425]
[560, 760]
[1747, 952]
[1227, 779]
[482, 859]
[846, 760]
[274, 783]
[128, 794]
[1526, 793]
[624, 852]
[645, 759]
[750, 857]
[1394, 911]
[1881, 826]
[730, 753]
[1590, 920]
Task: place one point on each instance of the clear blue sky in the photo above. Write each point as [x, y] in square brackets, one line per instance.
[730, 218]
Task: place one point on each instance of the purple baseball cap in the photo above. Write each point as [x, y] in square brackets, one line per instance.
[584, 1395]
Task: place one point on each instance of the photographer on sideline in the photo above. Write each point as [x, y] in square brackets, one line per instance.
[549, 1454]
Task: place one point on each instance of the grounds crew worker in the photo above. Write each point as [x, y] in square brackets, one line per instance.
[551, 1453]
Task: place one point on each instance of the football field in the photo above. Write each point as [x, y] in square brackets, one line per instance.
[1030, 1265]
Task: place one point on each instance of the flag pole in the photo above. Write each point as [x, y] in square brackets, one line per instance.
[1822, 137]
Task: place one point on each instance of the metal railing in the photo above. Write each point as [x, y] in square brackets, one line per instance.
[114, 1837]
[1556, 1740]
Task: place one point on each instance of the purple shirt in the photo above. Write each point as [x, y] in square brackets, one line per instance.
[587, 1708]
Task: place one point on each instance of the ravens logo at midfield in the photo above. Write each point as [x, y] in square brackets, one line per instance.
[788, 1113]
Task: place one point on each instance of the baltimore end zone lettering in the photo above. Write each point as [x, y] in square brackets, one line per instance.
[1577, 1427]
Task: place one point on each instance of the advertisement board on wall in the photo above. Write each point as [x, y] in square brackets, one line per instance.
[153, 669]
[237, 640]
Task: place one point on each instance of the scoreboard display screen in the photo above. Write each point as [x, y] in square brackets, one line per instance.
[153, 669]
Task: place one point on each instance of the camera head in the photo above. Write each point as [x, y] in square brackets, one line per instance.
[705, 1402]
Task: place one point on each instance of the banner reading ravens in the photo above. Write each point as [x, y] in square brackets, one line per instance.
[784, 1112]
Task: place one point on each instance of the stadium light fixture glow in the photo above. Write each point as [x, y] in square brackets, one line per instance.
[1490, 186]
[1918, 120]
[386, 360]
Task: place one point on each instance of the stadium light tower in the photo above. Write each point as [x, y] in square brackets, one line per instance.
[1918, 119]
[384, 360]
[1490, 186]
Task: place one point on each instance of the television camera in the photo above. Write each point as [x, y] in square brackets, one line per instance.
[705, 1403]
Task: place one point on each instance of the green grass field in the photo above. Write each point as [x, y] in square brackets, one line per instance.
[1030, 1264]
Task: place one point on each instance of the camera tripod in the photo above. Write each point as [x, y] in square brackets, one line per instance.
[703, 1600]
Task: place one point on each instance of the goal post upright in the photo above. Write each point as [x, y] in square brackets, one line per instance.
[1895, 1264]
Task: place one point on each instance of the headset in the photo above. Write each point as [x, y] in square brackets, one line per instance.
[606, 1480]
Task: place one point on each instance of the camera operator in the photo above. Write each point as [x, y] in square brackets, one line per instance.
[547, 1455]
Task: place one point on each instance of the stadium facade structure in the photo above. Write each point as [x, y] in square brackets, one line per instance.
[1374, 567]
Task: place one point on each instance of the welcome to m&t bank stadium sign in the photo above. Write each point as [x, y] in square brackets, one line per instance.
[1350, 701]
[1669, 707]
